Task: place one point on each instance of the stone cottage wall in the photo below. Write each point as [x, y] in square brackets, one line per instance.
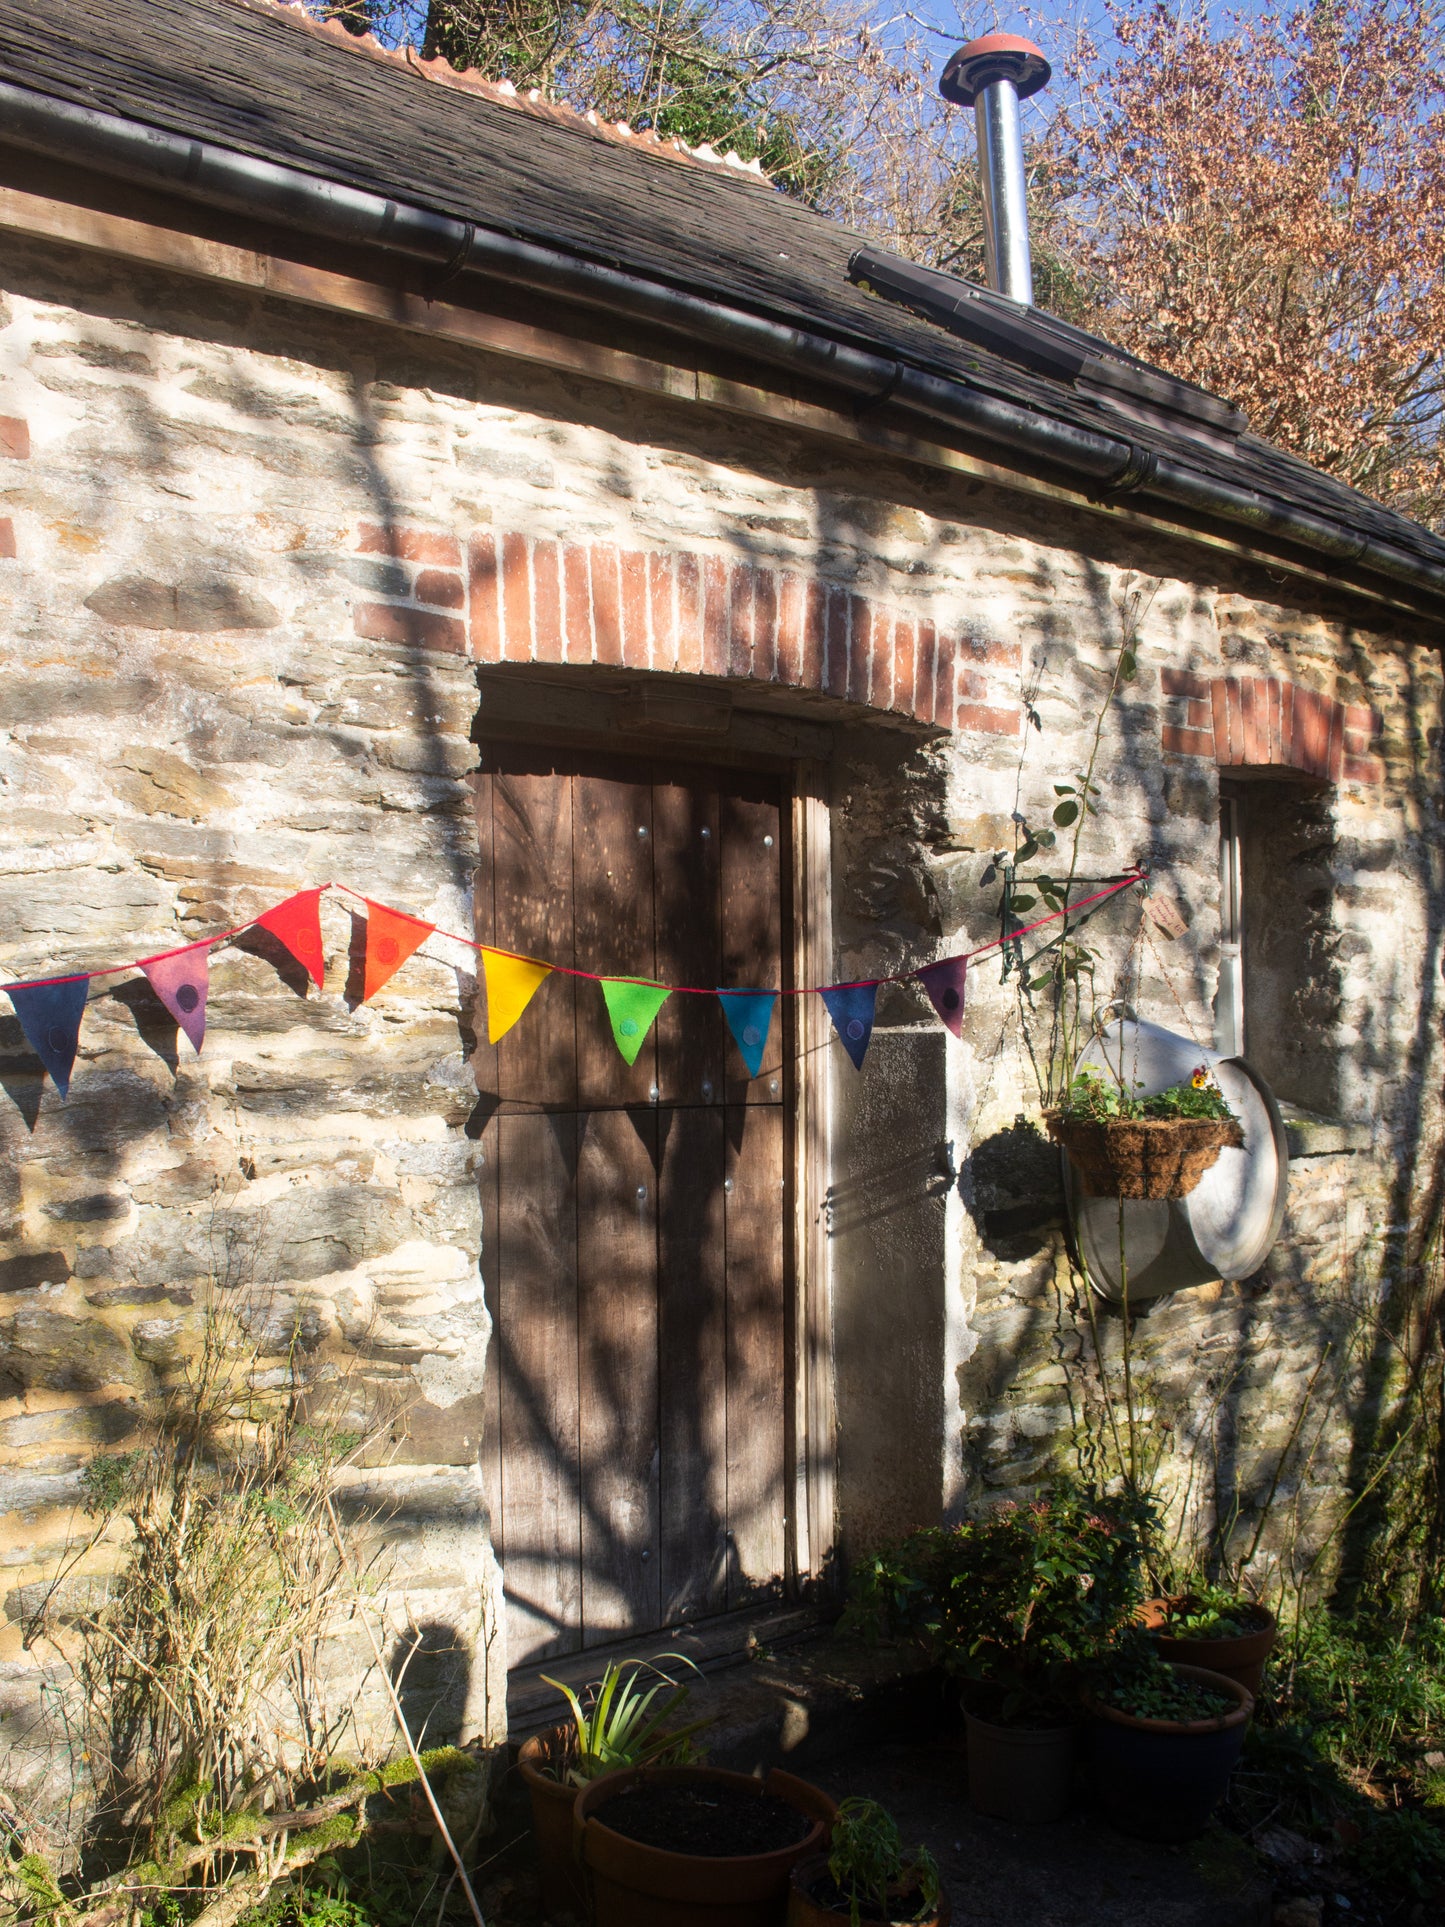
[251, 557]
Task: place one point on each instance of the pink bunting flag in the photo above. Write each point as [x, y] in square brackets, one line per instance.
[297, 924]
[183, 983]
[944, 982]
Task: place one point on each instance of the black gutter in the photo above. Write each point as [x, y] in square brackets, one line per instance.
[265, 190]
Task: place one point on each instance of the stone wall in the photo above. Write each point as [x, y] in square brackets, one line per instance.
[252, 553]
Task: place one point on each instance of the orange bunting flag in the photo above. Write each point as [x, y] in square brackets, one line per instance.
[512, 982]
[297, 924]
[391, 937]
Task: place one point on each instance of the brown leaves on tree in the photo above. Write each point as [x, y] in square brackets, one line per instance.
[1262, 211]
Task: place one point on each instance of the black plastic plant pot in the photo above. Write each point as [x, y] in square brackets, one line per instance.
[1162, 1779]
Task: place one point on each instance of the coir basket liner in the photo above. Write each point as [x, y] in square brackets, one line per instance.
[1143, 1157]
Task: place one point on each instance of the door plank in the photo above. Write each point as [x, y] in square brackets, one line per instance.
[617, 1371]
[612, 864]
[751, 828]
[536, 1350]
[484, 929]
[532, 914]
[686, 871]
[489, 1152]
[692, 1354]
[756, 1380]
[638, 1403]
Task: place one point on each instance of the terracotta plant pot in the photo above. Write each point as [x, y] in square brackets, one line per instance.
[634, 1885]
[1240, 1659]
[805, 1911]
[553, 1804]
[1143, 1157]
[1020, 1773]
[1162, 1779]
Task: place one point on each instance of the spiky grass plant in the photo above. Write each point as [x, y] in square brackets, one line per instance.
[614, 1725]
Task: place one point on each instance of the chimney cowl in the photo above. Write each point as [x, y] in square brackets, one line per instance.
[993, 75]
[995, 56]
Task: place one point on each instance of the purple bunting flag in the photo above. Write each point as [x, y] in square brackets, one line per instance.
[182, 983]
[750, 1018]
[851, 1007]
[944, 983]
[50, 1016]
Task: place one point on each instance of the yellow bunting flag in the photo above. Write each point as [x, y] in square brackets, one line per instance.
[511, 984]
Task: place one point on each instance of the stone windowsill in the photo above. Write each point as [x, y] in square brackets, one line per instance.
[1312, 1136]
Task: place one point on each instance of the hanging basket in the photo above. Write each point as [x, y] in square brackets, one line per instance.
[1143, 1157]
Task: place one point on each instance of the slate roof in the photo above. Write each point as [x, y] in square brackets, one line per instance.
[256, 79]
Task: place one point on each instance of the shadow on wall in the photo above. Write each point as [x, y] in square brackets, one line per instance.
[887, 1218]
[1016, 1195]
[431, 1671]
[892, 1337]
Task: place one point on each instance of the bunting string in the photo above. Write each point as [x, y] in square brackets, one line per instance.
[50, 1009]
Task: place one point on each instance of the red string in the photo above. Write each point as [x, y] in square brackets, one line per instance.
[139, 963]
[588, 976]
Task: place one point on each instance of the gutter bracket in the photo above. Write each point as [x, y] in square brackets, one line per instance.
[455, 264]
[881, 395]
[1139, 469]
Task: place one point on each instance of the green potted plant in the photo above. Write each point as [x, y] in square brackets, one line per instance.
[1018, 1604]
[867, 1876]
[616, 1721]
[1128, 1146]
[1163, 1741]
[1216, 1627]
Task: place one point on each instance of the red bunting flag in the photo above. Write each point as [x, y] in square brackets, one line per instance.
[391, 937]
[297, 924]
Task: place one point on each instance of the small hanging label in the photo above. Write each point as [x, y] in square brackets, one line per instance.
[1164, 914]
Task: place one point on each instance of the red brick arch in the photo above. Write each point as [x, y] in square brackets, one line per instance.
[517, 598]
[1267, 722]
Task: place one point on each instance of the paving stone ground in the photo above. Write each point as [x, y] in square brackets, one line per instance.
[1078, 1873]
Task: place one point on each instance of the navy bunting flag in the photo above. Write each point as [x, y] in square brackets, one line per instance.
[851, 1007]
[50, 1017]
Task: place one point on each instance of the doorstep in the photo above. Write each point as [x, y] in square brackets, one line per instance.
[795, 1693]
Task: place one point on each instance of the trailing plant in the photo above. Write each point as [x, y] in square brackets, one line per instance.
[613, 1724]
[1094, 1099]
[1148, 1688]
[1022, 1600]
[1065, 968]
[871, 1868]
[1210, 1612]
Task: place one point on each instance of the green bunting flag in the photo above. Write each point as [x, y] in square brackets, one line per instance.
[632, 1008]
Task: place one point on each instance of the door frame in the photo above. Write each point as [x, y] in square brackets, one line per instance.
[810, 1537]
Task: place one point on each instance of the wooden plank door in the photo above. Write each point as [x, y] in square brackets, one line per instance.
[633, 1245]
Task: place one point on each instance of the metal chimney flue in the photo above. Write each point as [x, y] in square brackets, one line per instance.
[992, 76]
